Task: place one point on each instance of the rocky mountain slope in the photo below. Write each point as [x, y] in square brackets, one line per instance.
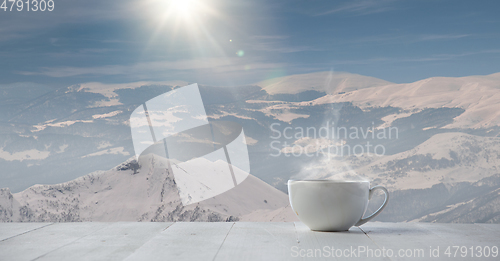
[441, 166]
[452, 177]
[479, 96]
[149, 193]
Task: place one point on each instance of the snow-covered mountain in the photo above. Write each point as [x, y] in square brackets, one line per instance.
[452, 177]
[479, 96]
[143, 192]
[442, 165]
[327, 82]
[444, 158]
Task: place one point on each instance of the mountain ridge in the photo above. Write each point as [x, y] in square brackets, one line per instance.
[74, 131]
[145, 194]
[328, 82]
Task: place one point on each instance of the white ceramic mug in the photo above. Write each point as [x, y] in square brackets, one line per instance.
[329, 205]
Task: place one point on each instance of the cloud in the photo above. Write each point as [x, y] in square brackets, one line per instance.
[363, 7]
[277, 44]
[435, 57]
[441, 57]
[24, 24]
[407, 39]
[214, 65]
[278, 48]
[432, 37]
[271, 37]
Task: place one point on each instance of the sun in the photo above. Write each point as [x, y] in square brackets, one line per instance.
[179, 20]
[184, 8]
[178, 15]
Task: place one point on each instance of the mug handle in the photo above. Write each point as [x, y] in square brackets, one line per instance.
[364, 220]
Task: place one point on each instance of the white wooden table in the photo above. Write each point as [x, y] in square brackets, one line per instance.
[245, 241]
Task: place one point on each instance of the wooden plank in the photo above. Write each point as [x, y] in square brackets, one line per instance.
[259, 241]
[493, 228]
[406, 241]
[421, 240]
[36, 243]
[235, 241]
[463, 233]
[345, 245]
[463, 237]
[114, 242]
[185, 241]
[8, 230]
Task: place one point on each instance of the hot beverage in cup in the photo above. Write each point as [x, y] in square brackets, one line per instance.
[332, 205]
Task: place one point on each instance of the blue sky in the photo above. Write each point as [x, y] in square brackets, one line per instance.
[227, 42]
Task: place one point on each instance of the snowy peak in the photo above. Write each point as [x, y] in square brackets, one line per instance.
[327, 82]
[139, 191]
[447, 158]
[477, 95]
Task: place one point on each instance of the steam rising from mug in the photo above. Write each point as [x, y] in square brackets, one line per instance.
[327, 167]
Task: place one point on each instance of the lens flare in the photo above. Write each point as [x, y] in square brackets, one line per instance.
[184, 8]
[179, 19]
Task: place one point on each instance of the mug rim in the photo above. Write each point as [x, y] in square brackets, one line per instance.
[327, 181]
